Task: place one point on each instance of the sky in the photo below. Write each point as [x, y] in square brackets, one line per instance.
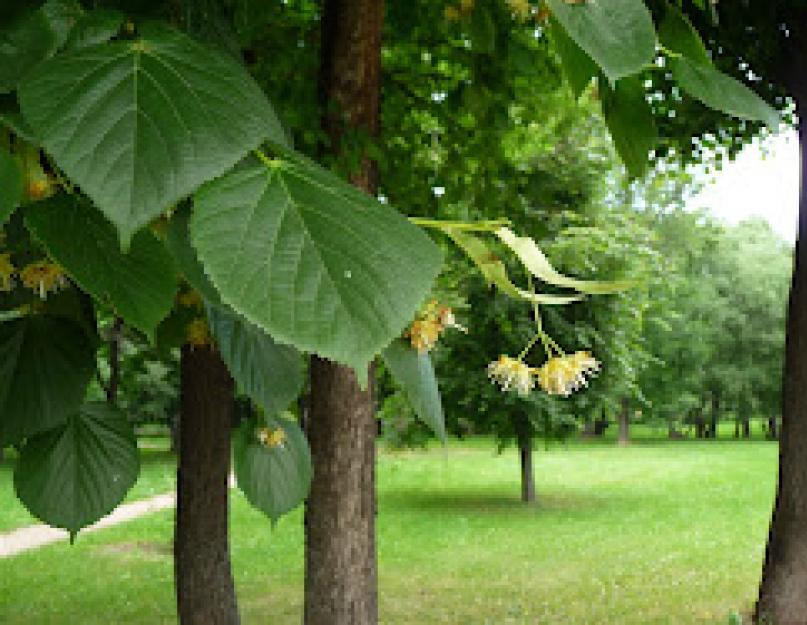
[757, 184]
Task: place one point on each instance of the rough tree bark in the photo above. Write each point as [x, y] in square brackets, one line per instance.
[340, 559]
[783, 589]
[624, 423]
[204, 583]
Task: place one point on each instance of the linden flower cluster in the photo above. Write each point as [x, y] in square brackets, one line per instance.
[563, 375]
[271, 438]
[512, 374]
[43, 277]
[430, 323]
[560, 375]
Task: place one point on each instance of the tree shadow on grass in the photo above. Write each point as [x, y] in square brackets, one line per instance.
[480, 501]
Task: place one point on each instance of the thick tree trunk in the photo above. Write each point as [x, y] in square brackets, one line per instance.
[783, 589]
[746, 427]
[204, 582]
[624, 423]
[340, 558]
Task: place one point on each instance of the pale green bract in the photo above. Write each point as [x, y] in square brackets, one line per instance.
[414, 373]
[311, 259]
[538, 265]
[140, 124]
[73, 475]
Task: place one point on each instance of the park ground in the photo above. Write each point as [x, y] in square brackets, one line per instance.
[658, 532]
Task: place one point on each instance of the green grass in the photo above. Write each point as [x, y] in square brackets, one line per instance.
[654, 533]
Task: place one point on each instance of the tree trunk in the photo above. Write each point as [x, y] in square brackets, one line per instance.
[783, 589]
[204, 583]
[340, 557]
[746, 427]
[527, 472]
[715, 414]
[773, 427]
[737, 427]
[624, 423]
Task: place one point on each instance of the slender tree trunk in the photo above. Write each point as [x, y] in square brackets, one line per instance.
[783, 589]
[204, 583]
[737, 427]
[624, 423]
[114, 361]
[746, 427]
[715, 415]
[773, 427]
[340, 558]
[523, 430]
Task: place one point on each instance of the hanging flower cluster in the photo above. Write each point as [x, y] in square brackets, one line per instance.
[43, 277]
[559, 375]
[271, 438]
[430, 323]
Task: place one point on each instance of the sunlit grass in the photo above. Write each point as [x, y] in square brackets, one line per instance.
[653, 533]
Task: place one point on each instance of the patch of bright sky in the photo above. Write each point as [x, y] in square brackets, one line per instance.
[763, 181]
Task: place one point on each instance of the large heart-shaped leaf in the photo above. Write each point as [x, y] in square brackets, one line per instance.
[617, 34]
[45, 366]
[414, 373]
[73, 475]
[577, 66]
[310, 259]
[630, 122]
[269, 373]
[274, 477]
[10, 186]
[140, 124]
[139, 284]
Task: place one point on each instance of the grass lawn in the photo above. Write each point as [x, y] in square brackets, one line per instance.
[654, 533]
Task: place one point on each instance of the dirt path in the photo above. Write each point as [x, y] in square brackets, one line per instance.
[33, 536]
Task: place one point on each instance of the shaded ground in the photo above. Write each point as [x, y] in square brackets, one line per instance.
[655, 533]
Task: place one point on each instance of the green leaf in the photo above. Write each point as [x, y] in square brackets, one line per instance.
[538, 265]
[45, 366]
[495, 273]
[630, 122]
[311, 259]
[414, 373]
[138, 125]
[676, 33]
[617, 34]
[721, 92]
[93, 28]
[11, 118]
[577, 66]
[62, 15]
[10, 186]
[269, 373]
[482, 31]
[24, 43]
[274, 479]
[179, 244]
[75, 474]
[140, 284]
